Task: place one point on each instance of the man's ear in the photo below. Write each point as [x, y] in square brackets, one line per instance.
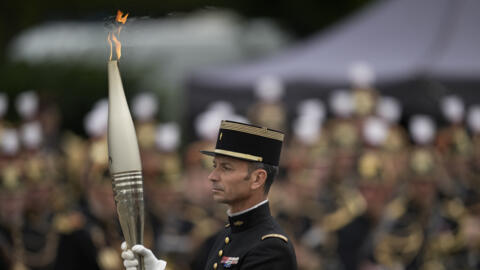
[259, 176]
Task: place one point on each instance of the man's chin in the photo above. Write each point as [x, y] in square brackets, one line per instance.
[219, 199]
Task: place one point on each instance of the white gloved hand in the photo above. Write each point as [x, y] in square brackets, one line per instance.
[149, 260]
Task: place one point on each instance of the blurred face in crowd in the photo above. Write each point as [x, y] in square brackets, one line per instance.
[101, 200]
[422, 190]
[39, 196]
[375, 196]
[11, 208]
[233, 184]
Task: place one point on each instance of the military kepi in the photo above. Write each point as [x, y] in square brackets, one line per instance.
[248, 142]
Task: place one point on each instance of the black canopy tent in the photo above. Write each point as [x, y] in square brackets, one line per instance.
[418, 49]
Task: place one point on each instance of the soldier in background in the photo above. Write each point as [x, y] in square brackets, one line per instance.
[472, 200]
[144, 109]
[421, 228]
[364, 94]
[473, 121]
[90, 233]
[40, 237]
[362, 204]
[12, 202]
[309, 145]
[336, 200]
[343, 135]
[90, 236]
[355, 238]
[307, 166]
[268, 110]
[170, 215]
[455, 146]
[396, 144]
[74, 151]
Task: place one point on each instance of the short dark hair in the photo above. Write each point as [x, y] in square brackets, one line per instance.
[270, 169]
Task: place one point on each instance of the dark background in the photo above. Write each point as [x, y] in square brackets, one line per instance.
[76, 87]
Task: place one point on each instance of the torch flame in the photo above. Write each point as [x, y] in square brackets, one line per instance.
[120, 18]
[112, 36]
[118, 46]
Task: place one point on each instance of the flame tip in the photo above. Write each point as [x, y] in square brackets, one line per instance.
[112, 36]
[120, 17]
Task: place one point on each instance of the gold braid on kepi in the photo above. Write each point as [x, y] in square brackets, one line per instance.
[248, 142]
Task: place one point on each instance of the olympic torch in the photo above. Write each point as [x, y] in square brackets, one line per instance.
[124, 157]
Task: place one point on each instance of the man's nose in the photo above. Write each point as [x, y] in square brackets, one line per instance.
[213, 176]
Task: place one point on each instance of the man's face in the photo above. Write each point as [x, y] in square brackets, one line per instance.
[229, 180]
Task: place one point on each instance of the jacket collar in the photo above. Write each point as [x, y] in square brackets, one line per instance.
[250, 218]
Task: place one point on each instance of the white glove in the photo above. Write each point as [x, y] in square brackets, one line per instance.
[130, 262]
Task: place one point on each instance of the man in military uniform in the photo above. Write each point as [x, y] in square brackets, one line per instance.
[355, 237]
[244, 166]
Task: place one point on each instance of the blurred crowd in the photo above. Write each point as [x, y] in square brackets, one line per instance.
[356, 189]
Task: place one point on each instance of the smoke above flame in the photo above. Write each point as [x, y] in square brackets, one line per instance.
[114, 35]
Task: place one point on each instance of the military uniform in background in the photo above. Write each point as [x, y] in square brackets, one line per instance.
[40, 236]
[90, 237]
[422, 229]
[12, 203]
[356, 237]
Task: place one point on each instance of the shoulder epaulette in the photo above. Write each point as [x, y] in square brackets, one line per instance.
[275, 235]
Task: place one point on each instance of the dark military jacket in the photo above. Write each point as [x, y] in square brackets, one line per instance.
[252, 240]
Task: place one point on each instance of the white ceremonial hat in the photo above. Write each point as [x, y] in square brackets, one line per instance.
[167, 136]
[96, 121]
[31, 135]
[221, 106]
[9, 141]
[361, 74]
[473, 118]
[101, 105]
[307, 128]
[312, 107]
[422, 129]
[207, 124]
[453, 108]
[269, 88]
[27, 104]
[3, 104]
[389, 108]
[144, 106]
[375, 131]
[341, 103]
